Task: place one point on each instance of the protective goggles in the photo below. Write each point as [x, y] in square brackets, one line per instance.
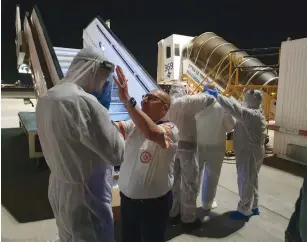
[151, 98]
[108, 66]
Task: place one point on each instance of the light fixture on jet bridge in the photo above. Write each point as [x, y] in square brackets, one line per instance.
[108, 23]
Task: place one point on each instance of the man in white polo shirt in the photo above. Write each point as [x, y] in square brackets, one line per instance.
[146, 175]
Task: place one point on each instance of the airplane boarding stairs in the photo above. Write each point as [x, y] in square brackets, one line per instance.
[65, 57]
[49, 64]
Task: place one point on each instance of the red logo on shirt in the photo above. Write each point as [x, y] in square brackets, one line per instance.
[145, 157]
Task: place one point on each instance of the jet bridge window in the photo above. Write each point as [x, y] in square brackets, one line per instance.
[168, 52]
[177, 50]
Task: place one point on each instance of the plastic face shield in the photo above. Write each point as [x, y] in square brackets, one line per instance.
[108, 66]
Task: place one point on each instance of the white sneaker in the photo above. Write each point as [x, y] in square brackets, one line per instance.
[210, 206]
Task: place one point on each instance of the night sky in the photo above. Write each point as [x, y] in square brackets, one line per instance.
[141, 24]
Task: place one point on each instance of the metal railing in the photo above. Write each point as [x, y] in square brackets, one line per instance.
[234, 68]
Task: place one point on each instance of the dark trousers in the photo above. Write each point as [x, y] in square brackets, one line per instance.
[144, 220]
[293, 229]
[296, 230]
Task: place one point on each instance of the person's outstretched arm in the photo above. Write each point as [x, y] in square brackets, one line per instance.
[142, 122]
[192, 103]
[232, 106]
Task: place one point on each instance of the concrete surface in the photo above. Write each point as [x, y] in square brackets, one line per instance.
[278, 193]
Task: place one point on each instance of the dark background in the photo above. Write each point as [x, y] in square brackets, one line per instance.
[141, 24]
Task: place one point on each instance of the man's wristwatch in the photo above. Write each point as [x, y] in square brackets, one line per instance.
[131, 103]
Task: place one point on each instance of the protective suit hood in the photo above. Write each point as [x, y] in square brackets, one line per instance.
[89, 70]
[177, 90]
[252, 99]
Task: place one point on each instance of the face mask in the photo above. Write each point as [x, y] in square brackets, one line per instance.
[104, 97]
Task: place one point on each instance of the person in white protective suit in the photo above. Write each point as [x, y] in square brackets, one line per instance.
[249, 139]
[212, 125]
[186, 171]
[80, 145]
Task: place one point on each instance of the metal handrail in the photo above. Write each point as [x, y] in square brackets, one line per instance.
[213, 69]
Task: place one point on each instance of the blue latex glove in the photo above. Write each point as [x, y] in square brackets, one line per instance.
[214, 93]
[104, 98]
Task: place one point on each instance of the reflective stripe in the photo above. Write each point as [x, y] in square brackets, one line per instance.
[122, 129]
[167, 136]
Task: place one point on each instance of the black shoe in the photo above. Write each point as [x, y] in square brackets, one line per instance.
[175, 220]
[191, 226]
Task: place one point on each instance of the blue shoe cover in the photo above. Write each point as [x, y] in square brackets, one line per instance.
[236, 215]
[256, 211]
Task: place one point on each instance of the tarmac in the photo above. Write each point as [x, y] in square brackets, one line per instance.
[280, 182]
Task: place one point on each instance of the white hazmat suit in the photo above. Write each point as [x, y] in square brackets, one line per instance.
[249, 138]
[80, 145]
[182, 113]
[212, 125]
